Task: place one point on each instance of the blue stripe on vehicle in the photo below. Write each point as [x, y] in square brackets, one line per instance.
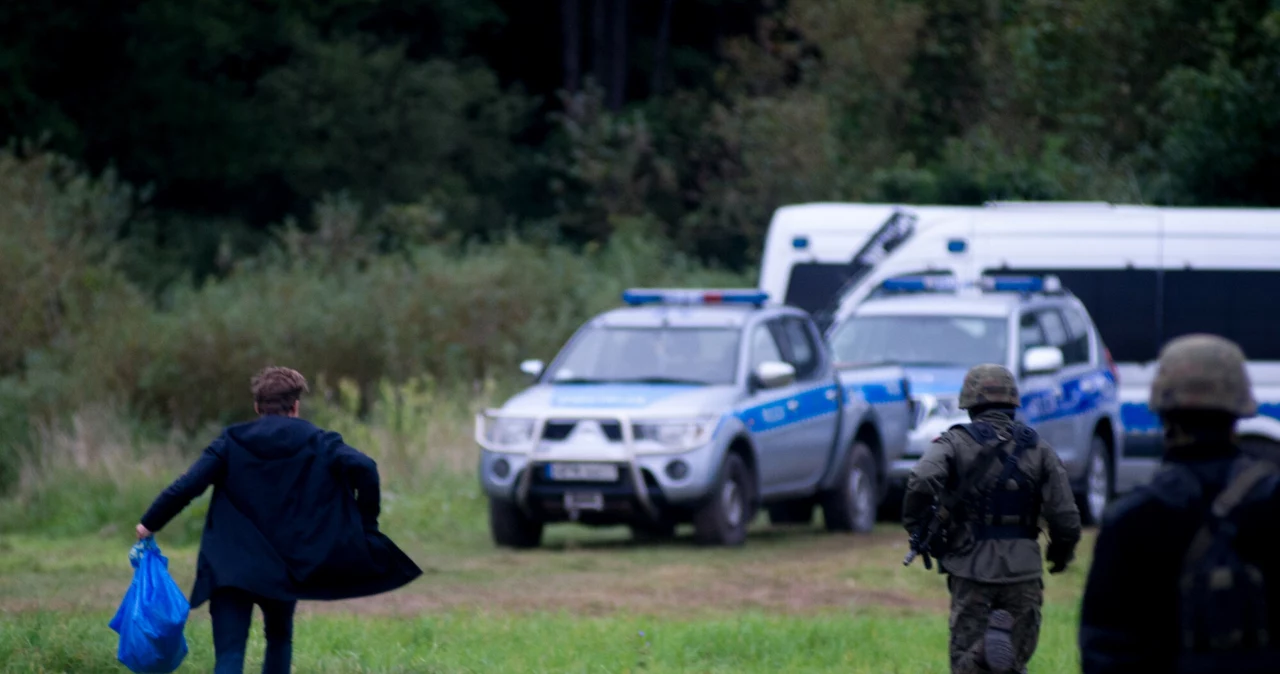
[1074, 397]
[814, 403]
[877, 394]
[1143, 432]
[1138, 418]
[774, 414]
[620, 396]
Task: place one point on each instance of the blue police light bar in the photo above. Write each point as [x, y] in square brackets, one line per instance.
[957, 245]
[919, 283]
[800, 242]
[638, 296]
[1022, 284]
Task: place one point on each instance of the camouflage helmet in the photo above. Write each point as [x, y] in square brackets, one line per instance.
[1202, 372]
[988, 385]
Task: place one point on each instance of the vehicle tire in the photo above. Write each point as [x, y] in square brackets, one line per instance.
[724, 518]
[851, 506]
[653, 532]
[791, 512]
[511, 528]
[1099, 483]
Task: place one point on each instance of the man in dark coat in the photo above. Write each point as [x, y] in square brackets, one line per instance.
[294, 515]
[1142, 597]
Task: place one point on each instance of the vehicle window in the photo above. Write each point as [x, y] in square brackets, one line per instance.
[803, 353]
[1076, 350]
[1030, 333]
[1236, 304]
[960, 341]
[1055, 333]
[763, 346]
[1122, 303]
[613, 354]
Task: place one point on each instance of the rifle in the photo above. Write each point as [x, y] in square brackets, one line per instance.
[931, 538]
[932, 535]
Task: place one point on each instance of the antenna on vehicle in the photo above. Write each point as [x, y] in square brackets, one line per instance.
[888, 237]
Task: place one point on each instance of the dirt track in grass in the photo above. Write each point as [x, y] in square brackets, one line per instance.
[788, 570]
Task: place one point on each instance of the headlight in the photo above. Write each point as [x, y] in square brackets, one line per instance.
[676, 434]
[508, 431]
[934, 407]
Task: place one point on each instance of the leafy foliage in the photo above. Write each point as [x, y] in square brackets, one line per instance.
[389, 189]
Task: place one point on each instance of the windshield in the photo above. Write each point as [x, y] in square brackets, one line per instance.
[962, 341]
[657, 355]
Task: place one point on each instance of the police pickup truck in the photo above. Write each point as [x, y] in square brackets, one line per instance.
[938, 327]
[692, 406]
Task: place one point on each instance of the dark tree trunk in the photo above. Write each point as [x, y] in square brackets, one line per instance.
[600, 43]
[618, 83]
[570, 24]
[658, 84]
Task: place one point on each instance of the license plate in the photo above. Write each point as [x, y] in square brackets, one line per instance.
[583, 500]
[583, 472]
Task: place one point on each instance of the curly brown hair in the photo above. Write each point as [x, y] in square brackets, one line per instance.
[277, 389]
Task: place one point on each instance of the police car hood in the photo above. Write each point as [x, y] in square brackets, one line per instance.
[637, 400]
[935, 380]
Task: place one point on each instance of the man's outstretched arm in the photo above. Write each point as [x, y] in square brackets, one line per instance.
[206, 471]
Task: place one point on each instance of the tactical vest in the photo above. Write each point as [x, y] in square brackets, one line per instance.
[1223, 607]
[1007, 507]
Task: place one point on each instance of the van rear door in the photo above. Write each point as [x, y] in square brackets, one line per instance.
[817, 286]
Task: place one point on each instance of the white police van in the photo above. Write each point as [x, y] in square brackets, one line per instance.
[939, 326]
[693, 406]
[1145, 274]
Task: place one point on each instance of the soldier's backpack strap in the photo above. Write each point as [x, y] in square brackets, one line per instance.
[1010, 504]
[953, 501]
[1223, 603]
[981, 432]
[1024, 438]
[1226, 503]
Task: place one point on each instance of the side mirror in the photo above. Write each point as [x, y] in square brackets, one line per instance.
[1042, 360]
[774, 374]
[532, 367]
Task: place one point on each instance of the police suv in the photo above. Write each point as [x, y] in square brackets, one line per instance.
[937, 328]
[696, 406]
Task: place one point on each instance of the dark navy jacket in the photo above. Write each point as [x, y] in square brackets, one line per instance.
[294, 515]
[1129, 615]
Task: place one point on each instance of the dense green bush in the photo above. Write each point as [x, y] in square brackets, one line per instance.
[458, 314]
[366, 297]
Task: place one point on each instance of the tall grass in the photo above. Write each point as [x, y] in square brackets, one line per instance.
[96, 471]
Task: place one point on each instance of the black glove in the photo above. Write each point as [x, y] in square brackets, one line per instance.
[1059, 557]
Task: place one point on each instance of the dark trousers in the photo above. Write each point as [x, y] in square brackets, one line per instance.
[972, 603]
[231, 611]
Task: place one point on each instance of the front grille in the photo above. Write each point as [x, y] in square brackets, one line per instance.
[559, 429]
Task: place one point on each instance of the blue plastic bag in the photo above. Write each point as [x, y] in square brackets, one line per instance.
[153, 615]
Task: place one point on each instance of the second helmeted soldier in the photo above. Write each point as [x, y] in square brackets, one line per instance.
[993, 565]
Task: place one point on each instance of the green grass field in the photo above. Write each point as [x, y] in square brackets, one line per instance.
[793, 599]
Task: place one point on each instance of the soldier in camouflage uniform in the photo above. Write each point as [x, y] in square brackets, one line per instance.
[993, 565]
[1139, 592]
